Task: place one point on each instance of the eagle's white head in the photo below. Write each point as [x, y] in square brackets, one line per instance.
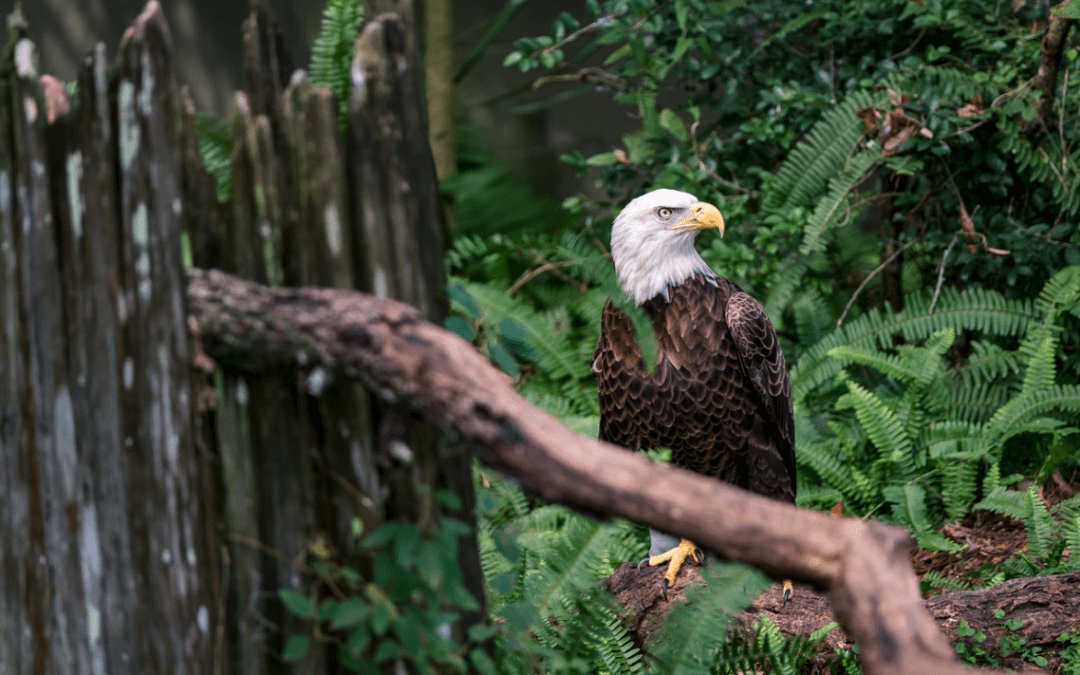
[652, 242]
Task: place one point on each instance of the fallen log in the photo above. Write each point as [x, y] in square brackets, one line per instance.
[1035, 610]
[387, 345]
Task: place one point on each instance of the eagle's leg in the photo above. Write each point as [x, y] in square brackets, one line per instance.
[787, 591]
[675, 558]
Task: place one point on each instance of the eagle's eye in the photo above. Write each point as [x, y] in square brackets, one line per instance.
[664, 212]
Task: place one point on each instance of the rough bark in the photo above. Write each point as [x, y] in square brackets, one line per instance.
[387, 344]
[1048, 606]
[1053, 47]
[105, 560]
[439, 71]
[439, 24]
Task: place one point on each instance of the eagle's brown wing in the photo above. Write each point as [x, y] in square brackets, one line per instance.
[621, 378]
[763, 362]
[719, 397]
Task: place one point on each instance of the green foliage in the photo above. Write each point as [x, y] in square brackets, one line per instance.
[937, 94]
[215, 149]
[401, 612]
[1070, 653]
[894, 439]
[1050, 532]
[977, 651]
[332, 51]
[544, 563]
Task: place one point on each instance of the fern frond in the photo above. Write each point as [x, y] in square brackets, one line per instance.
[1072, 542]
[829, 208]
[974, 404]
[818, 158]
[615, 646]
[690, 632]
[332, 51]
[1061, 292]
[555, 352]
[1004, 501]
[1013, 417]
[882, 427]
[970, 309]
[568, 559]
[948, 439]
[891, 365]
[959, 482]
[1039, 524]
[988, 361]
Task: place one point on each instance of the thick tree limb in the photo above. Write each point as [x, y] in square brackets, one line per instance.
[394, 351]
[1053, 46]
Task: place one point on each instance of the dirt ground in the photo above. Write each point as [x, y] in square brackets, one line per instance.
[988, 540]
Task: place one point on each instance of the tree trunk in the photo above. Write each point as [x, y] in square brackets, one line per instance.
[439, 68]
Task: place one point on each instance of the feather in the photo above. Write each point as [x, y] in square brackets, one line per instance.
[719, 397]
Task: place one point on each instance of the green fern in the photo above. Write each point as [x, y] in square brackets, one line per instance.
[971, 309]
[690, 634]
[616, 648]
[817, 159]
[881, 425]
[215, 150]
[1072, 542]
[1004, 501]
[1039, 524]
[552, 348]
[332, 51]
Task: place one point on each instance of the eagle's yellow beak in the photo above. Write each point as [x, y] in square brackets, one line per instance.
[702, 216]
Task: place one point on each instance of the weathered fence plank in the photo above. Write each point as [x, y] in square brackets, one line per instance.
[105, 549]
[169, 546]
[150, 518]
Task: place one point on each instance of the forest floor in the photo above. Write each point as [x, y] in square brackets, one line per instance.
[1045, 609]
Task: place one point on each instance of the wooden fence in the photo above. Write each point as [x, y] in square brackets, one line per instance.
[149, 509]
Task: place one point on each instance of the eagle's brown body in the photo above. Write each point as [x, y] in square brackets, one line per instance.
[719, 397]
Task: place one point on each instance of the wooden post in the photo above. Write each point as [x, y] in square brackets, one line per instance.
[105, 554]
[149, 519]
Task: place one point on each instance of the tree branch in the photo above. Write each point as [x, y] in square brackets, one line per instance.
[1053, 46]
[387, 345]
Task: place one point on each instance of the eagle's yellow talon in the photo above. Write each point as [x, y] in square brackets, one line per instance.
[675, 559]
[787, 592]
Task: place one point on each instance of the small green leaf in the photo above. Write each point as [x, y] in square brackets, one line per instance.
[296, 648]
[358, 639]
[1070, 9]
[681, 9]
[511, 59]
[349, 613]
[381, 618]
[482, 632]
[460, 327]
[482, 662]
[459, 295]
[386, 650]
[297, 603]
[603, 159]
[620, 53]
[504, 360]
[671, 122]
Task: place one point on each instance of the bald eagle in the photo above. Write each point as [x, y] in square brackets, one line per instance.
[719, 396]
